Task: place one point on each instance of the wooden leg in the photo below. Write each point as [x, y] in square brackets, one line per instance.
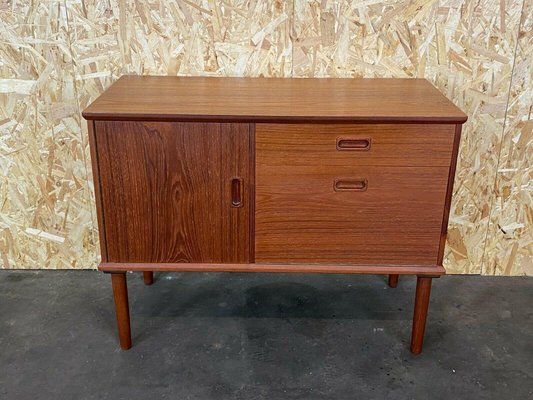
[120, 294]
[423, 289]
[393, 280]
[148, 277]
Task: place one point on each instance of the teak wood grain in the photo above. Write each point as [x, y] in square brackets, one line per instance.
[299, 216]
[273, 99]
[167, 191]
[382, 144]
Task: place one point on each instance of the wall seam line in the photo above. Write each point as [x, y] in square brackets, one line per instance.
[504, 125]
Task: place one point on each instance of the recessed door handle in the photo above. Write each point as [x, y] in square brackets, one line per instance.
[356, 144]
[350, 185]
[236, 192]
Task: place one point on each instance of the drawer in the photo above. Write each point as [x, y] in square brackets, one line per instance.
[356, 144]
[348, 214]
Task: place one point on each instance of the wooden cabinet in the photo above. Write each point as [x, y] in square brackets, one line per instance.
[277, 175]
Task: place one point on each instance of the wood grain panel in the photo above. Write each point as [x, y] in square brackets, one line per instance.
[273, 99]
[300, 218]
[166, 191]
[389, 144]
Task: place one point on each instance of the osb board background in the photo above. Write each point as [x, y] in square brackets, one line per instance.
[57, 56]
[46, 211]
[509, 244]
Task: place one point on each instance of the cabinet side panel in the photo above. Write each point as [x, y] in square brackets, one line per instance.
[97, 191]
[449, 192]
[166, 191]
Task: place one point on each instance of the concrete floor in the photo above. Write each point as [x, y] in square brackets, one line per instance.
[263, 336]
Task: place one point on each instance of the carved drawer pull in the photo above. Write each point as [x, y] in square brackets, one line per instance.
[352, 185]
[354, 144]
[236, 192]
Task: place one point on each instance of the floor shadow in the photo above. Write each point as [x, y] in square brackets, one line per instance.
[225, 297]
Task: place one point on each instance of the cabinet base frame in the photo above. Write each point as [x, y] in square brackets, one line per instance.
[427, 270]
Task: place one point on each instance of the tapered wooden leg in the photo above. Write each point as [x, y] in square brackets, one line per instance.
[120, 294]
[423, 289]
[148, 277]
[393, 280]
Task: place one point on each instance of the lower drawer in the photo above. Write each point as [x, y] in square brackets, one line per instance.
[349, 215]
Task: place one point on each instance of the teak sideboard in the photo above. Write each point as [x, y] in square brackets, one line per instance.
[273, 175]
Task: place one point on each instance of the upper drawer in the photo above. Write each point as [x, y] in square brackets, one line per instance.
[356, 144]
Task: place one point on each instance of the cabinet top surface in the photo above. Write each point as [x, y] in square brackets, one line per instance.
[273, 100]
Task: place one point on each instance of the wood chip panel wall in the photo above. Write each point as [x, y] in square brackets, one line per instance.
[56, 56]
